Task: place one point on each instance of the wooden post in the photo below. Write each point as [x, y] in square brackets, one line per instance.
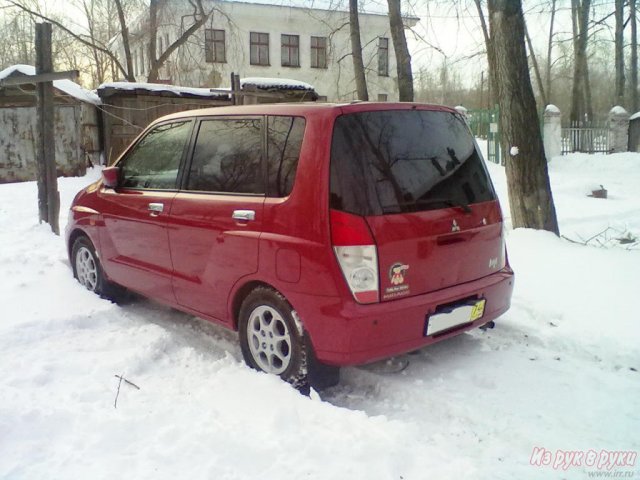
[48, 195]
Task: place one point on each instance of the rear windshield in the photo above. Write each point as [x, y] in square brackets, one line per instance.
[388, 162]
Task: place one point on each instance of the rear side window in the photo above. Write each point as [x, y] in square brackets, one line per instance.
[404, 161]
[284, 139]
[228, 157]
[153, 163]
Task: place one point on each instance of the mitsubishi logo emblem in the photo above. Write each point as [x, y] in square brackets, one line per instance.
[455, 227]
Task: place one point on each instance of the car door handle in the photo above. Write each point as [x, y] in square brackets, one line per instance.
[155, 209]
[244, 215]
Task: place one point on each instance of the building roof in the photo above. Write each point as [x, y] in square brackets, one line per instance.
[410, 21]
[107, 89]
[67, 86]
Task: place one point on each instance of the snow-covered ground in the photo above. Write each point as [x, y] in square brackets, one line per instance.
[559, 371]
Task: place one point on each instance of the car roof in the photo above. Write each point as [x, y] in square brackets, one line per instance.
[303, 109]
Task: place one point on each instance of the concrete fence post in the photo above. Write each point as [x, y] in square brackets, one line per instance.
[552, 132]
[618, 129]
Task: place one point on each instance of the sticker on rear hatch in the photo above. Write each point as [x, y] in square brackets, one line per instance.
[397, 274]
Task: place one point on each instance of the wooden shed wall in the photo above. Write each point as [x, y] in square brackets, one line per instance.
[126, 115]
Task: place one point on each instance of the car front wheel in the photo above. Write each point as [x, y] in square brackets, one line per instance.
[88, 271]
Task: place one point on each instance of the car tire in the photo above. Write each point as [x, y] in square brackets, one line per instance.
[271, 339]
[88, 270]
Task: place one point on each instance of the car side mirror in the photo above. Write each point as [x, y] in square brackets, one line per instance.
[110, 177]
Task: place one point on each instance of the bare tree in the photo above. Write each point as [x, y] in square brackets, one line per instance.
[549, 51]
[530, 195]
[581, 94]
[82, 38]
[199, 17]
[619, 49]
[489, 46]
[403, 58]
[356, 51]
[633, 80]
[124, 32]
[98, 45]
[536, 69]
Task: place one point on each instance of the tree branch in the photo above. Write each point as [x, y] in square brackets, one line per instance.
[65, 29]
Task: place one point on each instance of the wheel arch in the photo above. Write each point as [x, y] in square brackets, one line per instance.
[240, 294]
[73, 236]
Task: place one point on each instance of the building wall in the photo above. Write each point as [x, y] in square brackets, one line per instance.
[188, 66]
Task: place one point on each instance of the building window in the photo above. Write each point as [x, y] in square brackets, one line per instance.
[383, 56]
[259, 43]
[382, 97]
[214, 47]
[290, 50]
[318, 52]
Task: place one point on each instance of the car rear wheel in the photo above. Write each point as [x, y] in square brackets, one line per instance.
[270, 338]
[273, 340]
[88, 271]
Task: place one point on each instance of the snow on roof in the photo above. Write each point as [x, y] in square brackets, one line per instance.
[552, 108]
[634, 116]
[160, 87]
[67, 86]
[285, 83]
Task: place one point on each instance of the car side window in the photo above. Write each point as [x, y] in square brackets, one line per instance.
[284, 139]
[154, 161]
[228, 157]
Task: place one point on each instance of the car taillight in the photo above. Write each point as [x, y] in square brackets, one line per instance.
[357, 255]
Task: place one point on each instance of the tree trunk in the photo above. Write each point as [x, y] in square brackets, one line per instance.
[403, 59]
[153, 35]
[521, 141]
[619, 49]
[489, 47]
[549, 51]
[635, 105]
[356, 51]
[580, 101]
[124, 30]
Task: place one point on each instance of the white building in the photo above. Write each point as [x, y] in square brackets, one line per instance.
[258, 40]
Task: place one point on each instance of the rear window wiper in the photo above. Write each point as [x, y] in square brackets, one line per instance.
[451, 203]
[397, 208]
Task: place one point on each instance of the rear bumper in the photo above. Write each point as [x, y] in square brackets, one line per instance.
[346, 333]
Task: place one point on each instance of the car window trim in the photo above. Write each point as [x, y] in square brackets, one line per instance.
[184, 178]
[145, 132]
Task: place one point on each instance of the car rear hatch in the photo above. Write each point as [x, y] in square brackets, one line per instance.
[418, 180]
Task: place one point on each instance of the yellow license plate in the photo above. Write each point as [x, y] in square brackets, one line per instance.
[478, 310]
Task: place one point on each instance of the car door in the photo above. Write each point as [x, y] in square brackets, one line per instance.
[216, 219]
[134, 241]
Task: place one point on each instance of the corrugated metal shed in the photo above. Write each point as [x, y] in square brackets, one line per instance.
[76, 128]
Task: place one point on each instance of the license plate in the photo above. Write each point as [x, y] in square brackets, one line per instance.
[440, 322]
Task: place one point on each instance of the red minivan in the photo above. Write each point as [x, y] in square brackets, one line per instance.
[325, 234]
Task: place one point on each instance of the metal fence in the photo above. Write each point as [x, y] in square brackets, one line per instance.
[484, 124]
[585, 138]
